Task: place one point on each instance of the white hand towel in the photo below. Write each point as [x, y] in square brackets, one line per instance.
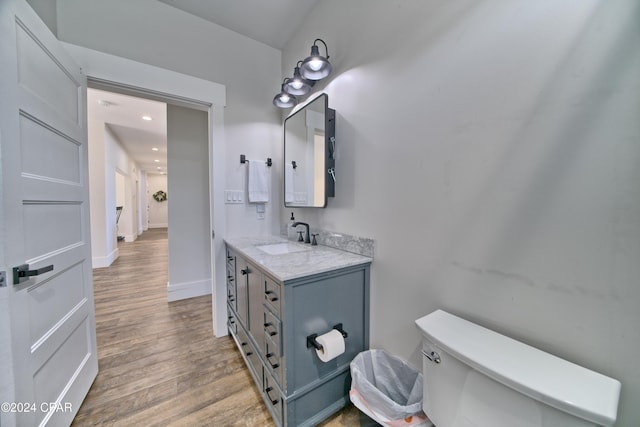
[288, 183]
[258, 182]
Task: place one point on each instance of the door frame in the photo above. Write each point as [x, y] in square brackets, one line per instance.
[110, 72]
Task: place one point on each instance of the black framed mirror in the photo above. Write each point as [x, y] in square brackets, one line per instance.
[309, 160]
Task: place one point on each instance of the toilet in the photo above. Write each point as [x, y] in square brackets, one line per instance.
[475, 377]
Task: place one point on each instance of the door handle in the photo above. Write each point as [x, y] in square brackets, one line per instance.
[22, 271]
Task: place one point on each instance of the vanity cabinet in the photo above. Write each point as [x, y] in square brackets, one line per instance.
[271, 334]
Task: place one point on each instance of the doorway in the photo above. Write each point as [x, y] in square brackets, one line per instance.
[126, 145]
[108, 72]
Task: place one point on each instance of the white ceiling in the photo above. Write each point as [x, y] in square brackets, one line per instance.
[271, 22]
[123, 114]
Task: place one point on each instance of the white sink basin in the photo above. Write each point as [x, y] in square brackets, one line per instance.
[282, 248]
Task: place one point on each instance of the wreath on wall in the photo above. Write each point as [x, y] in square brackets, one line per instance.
[160, 196]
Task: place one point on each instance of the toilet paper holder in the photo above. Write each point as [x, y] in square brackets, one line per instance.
[311, 339]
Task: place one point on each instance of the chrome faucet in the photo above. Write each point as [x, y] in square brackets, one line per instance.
[307, 238]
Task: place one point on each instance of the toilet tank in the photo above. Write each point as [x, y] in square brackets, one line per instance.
[475, 377]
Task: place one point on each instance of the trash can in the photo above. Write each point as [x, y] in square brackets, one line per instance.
[386, 389]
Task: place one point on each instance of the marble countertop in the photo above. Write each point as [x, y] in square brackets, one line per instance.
[287, 266]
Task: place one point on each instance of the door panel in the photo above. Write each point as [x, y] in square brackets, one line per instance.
[49, 304]
[48, 154]
[57, 220]
[45, 214]
[60, 90]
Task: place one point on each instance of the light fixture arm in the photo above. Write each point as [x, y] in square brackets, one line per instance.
[326, 49]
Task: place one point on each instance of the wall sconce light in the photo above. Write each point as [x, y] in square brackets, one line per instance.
[298, 85]
[313, 68]
[284, 99]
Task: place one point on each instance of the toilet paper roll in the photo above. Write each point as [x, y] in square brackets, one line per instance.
[332, 345]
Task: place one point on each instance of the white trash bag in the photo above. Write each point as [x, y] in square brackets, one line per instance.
[387, 389]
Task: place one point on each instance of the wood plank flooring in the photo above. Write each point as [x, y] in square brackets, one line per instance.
[159, 362]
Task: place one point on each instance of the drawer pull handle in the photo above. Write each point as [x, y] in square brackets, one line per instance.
[247, 353]
[273, 365]
[245, 271]
[273, 401]
[272, 299]
[266, 329]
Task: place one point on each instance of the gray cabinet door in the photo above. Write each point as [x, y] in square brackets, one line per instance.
[314, 308]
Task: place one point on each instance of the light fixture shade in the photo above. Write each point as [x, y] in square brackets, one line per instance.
[298, 85]
[284, 99]
[315, 66]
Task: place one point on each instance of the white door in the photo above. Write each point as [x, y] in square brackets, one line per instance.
[50, 344]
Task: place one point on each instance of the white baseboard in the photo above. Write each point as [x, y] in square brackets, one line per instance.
[186, 290]
[105, 261]
[162, 225]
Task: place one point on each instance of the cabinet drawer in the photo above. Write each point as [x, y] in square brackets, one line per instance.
[273, 344]
[273, 362]
[232, 322]
[243, 343]
[231, 275]
[231, 259]
[272, 295]
[231, 288]
[272, 397]
[231, 297]
[250, 354]
[272, 327]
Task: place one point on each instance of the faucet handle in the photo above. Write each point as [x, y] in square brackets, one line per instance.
[300, 239]
[314, 242]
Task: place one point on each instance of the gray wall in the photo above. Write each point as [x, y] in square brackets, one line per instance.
[188, 196]
[492, 150]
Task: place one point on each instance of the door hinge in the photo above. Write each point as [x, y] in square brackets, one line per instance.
[3, 279]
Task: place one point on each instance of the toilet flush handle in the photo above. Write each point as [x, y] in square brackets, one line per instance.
[433, 356]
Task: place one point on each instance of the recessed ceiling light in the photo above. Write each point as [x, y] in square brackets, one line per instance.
[157, 161]
[159, 168]
[155, 149]
[147, 118]
[105, 103]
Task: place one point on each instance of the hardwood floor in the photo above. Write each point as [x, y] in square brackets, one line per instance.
[159, 362]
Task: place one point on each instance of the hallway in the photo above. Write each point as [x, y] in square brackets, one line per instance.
[159, 362]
